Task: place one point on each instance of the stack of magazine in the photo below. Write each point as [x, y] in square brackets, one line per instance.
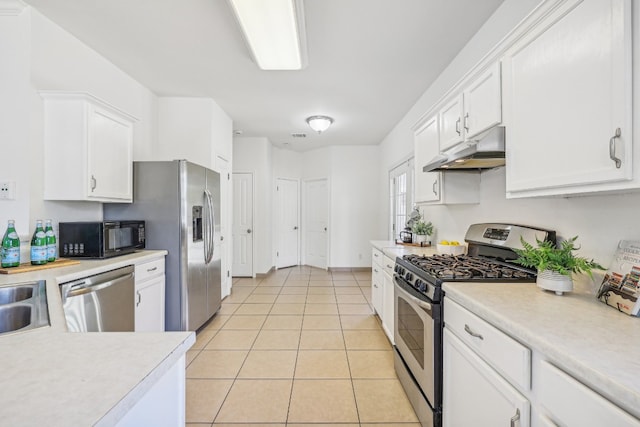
[620, 288]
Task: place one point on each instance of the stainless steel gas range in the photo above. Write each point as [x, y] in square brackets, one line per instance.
[419, 310]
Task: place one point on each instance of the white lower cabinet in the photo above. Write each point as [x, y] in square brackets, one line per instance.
[490, 379]
[382, 290]
[568, 402]
[377, 281]
[150, 295]
[388, 308]
[474, 393]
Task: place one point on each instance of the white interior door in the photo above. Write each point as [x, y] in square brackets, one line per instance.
[288, 220]
[316, 214]
[242, 225]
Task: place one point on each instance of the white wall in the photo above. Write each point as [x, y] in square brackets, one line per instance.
[600, 221]
[354, 200]
[14, 118]
[43, 56]
[254, 155]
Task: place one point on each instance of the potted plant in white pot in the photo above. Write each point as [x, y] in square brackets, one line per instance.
[422, 230]
[555, 265]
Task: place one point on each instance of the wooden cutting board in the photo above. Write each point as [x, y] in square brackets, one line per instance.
[425, 245]
[25, 267]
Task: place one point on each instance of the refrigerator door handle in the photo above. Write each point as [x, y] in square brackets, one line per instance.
[205, 226]
[208, 228]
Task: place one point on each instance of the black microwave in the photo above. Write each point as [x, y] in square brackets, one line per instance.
[100, 239]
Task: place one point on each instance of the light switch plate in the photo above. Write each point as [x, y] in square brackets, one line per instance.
[7, 190]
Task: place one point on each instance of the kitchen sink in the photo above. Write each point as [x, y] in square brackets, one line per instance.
[15, 294]
[14, 317]
[23, 306]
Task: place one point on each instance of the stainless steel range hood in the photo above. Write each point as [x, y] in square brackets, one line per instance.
[485, 153]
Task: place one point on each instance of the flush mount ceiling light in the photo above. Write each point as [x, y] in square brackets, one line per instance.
[319, 123]
[274, 31]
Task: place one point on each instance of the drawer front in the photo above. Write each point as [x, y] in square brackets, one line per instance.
[149, 269]
[561, 394]
[377, 256]
[509, 357]
[387, 265]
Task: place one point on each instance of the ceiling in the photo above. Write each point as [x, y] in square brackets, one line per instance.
[368, 60]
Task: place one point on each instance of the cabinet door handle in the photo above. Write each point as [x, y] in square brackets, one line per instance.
[94, 183]
[515, 418]
[295, 227]
[139, 298]
[375, 270]
[473, 334]
[389, 266]
[375, 286]
[458, 126]
[248, 231]
[149, 270]
[612, 148]
[466, 122]
[435, 183]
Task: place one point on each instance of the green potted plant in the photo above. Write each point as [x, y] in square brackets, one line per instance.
[422, 230]
[555, 265]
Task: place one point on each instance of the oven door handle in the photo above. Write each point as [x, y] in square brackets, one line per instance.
[423, 304]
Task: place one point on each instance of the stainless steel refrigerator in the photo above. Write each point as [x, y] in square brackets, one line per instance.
[180, 202]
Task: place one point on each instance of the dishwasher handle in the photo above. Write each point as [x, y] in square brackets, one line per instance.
[82, 288]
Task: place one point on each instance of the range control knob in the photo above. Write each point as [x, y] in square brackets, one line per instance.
[408, 276]
[396, 268]
[422, 286]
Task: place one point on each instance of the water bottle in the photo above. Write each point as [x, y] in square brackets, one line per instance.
[10, 246]
[39, 245]
[51, 241]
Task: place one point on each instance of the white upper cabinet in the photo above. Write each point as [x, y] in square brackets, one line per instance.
[450, 115]
[88, 149]
[482, 102]
[195, 129]
[426, 146]
[440, 187]
[476, 109]
[568, 102]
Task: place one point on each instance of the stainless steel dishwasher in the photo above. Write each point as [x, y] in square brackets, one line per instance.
[100, 303]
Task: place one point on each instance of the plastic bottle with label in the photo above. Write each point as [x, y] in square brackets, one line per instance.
[39, 245]
[51, 241]
[10, 252]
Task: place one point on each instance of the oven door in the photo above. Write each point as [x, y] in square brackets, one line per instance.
[418, 336]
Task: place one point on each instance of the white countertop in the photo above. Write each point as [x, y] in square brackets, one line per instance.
[57, 378]
[393, 249]
[593, 342]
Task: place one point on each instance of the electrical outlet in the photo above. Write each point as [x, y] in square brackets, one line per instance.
[8, 190]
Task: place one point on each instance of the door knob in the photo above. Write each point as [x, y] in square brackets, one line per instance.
[221, 238]
[248, 231]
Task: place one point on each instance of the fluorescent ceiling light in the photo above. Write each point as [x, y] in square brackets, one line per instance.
[274, 31]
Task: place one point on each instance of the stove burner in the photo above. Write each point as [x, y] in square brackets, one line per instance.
[466, 267]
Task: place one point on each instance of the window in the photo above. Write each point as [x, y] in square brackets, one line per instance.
[400, 197]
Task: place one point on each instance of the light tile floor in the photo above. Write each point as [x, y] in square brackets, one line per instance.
[300, 347]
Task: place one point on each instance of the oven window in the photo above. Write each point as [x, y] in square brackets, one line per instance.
[411, 330]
